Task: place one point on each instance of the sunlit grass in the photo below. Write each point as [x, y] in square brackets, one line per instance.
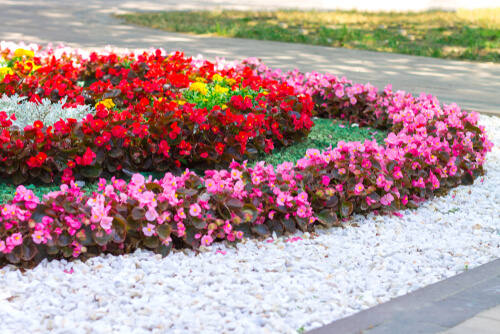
[466, 34]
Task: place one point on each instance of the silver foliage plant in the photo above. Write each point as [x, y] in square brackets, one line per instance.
[48, 112]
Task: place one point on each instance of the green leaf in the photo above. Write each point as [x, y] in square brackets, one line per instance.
[164, 231]
[29, 250]
[327, 217]
[154, 187]
[164, 250]
[346, 209]
[138, 213]
[151, 242]
[64, 239]
[290, 226]
[234, 204]
[261, 230]
[101, 237]
[120, 229]
[91, 171]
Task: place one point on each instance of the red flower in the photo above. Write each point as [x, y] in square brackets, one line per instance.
[175, 130]
[88, 157]
[164, 148]
[219, 147]
[119, 131]
[204, 155]
[38, 124]
[37, 161]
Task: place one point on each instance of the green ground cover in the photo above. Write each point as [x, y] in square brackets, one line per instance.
[465, 34]
[326, 132]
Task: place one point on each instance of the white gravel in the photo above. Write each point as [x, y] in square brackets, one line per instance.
[264, 287]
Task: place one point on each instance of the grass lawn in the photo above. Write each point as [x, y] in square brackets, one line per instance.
[465, 34]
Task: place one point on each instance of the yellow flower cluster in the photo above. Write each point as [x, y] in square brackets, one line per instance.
[4, 71]
[221, 90]
[22, 52]
[108, 103]
[27, 66]
[219, 78]
[199, 87]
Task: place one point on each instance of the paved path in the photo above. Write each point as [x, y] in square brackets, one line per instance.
[88, 24]
[468, 303]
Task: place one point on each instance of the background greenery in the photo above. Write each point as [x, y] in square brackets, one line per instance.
[465, 34]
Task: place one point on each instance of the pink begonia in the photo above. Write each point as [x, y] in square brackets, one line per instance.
[101, 185]
[211, 185]
[358, 188]
[419, 183]
[239, 234]
[2, 246]
[118, 184]
[149, 230]
[152, 214]
[227, 227]
[231, 236]
[17, 239]
[271, 214]
[167, 241]
[181, 214]
[206, 240]
[106, 223]
[195, 210]
[302, 211]
[325, 180]
[387, 199]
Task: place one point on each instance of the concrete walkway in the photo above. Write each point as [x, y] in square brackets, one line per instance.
[467, 303]
[487, 322]
[88, 24]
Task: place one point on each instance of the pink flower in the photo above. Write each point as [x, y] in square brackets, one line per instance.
[195, 210]
[181, 213]
[118, 184]
[387, 199]
[106, 222]
[211, 185]
[17, 239]
[239, 234]
[302, 211]
[2, 246]
[101, 185]
[313, 153]
[151, 214]
[271, 214]
[325, 180]
[358, 189]
[206, 240]
[231, 236]
[149, 230]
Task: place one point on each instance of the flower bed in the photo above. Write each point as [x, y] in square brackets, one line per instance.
[429, 150]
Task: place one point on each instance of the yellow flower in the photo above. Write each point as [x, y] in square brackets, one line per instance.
[221, 90]
[217, 77]
[200, 79]
[22, 52]
[180, 102]
[230, 81]
[199, 87]
[265, 93]
[108, 103]
[224, 106]
[4, 71]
